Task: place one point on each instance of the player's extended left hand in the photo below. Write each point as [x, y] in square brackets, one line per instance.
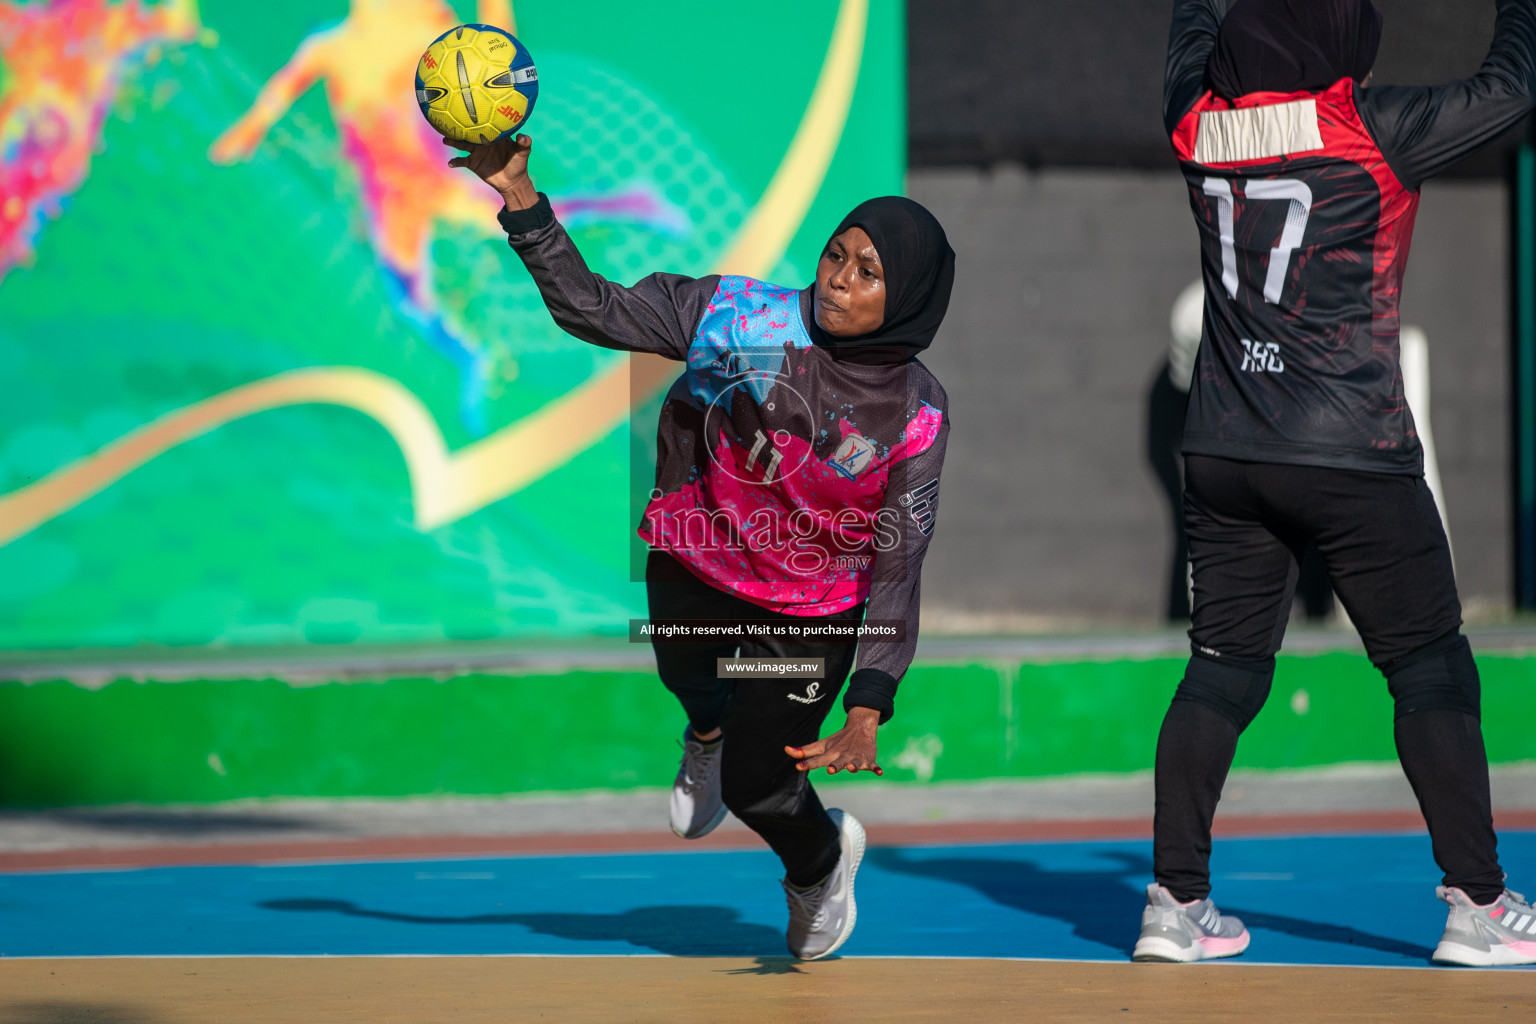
[851, 748]
[503, 165]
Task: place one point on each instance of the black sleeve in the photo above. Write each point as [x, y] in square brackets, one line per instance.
[659, 314]
[1423, 130]
[912, 505]
[1190, 42]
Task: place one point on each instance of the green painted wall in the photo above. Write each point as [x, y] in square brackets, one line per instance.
[212, 740]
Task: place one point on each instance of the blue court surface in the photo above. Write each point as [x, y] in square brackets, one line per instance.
[1352, 900]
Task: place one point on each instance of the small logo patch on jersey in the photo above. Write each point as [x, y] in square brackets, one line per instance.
[1262, 357]
[811, 696]
[853, 456]
[922, 505]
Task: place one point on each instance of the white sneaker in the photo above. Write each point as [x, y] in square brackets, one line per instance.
[696, 806]
[822, 918]
[1185, 932]
[1502, 933]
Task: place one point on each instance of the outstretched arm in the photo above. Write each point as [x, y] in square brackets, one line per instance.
[290, 82]
[912, 502]
[1423, 130]
[498, 13]
[1190, 42]
[659, 314]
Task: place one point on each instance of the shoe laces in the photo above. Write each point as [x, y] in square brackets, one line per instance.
[1209, 919]
[809, 906]
[699, 766]
[1203, 914]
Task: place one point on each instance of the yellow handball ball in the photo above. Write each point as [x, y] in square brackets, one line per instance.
[476, 84]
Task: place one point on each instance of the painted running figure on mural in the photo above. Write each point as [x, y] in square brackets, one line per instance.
[367, 63]
[60, 67]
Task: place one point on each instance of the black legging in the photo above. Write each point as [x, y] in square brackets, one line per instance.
[1386, 551]
[761, 784]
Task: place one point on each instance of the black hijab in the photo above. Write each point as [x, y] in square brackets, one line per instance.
[1293, 46]
[919, 271]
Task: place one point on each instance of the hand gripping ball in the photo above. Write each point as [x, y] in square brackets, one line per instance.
[476, 84]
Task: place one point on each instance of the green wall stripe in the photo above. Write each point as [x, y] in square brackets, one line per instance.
[480, 734]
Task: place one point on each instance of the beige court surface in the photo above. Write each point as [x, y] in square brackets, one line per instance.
[628, 989]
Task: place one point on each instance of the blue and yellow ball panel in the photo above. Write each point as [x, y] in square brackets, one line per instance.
[476, 84]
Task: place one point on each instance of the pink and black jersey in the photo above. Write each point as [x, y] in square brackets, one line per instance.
[776, 462]
[801, 482]
[1305, 204]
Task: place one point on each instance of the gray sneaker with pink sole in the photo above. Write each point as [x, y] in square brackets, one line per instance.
[1174, 932]
[1503, 933]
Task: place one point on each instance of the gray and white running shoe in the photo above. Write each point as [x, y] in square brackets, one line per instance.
[1502, 933]
[696, 806]
[1186, 932]
[822, 918]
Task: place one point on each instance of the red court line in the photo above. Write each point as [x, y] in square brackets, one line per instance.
[432, 847]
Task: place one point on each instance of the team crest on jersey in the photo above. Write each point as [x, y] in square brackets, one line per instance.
[922, 504]
[853, 456]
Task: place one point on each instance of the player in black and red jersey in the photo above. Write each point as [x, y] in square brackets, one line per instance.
[1304, 183]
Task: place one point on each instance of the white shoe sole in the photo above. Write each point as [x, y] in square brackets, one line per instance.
[1161, 950]
[1495, 956]
[1156, 949]
[851, 842]
[706, 830]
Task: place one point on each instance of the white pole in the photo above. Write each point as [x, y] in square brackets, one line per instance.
[1415, 360]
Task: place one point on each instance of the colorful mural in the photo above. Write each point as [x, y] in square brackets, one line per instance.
[233, 252]
[62, 65]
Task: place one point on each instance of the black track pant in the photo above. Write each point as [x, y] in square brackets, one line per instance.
[760, 717]
[1385, 549]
